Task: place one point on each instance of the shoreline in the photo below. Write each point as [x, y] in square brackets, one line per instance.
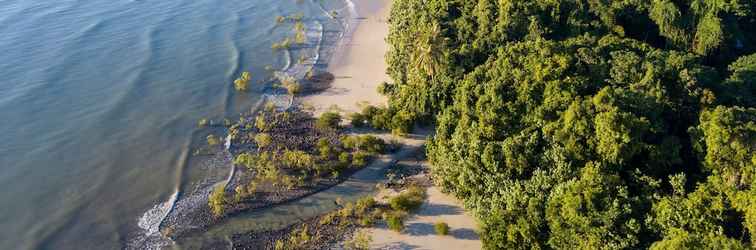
[356, 80]
[358, 63]
[358, 66]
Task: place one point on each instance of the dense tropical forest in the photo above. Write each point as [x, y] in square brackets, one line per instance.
[591, 124]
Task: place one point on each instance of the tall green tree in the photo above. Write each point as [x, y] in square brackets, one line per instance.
[581, 123]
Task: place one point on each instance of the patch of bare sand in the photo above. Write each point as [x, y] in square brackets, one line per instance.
[359, 67]
[419, 232]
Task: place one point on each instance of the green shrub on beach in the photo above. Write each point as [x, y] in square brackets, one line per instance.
[240, 192]
[244, 159]
[345, 158]
[395, 222]
[360, 241]
[325, 149]
[292, 86]
[350, 142]
[441, 228]
[217, 201]
[359, 159]
[297, 159]
[300, 36]
[212, 140]
[263, 140]
[261, 124]
[284, 44]
[399, 122]
[328, 120]
[280, 245]
[364, 204]
[380, 118]
[327, 219]
[298, 239]
[364, 143]
[372, 144]
[357, 120]
[409, 200]
[366, 221]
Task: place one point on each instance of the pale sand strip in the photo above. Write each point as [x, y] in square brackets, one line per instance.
[419, 232]
[360, 65]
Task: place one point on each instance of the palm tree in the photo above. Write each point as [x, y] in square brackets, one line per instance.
[429, 50]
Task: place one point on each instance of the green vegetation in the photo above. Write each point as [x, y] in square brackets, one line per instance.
[217, 200]
[328, 120]
[359, 159]
[261, 124]
[316, 233]
[242, 83]
[203, 123]
[292, 153]
[398, 122]
[263, 140]
[409, 200]
[441, 228]
[295, 17]
[212, 140]
[300, 36]
[360, 241]
[330, 227]
[366, 143]
[590, 124]
[283, 44]
[292, 86]
[395, 221]
[357, 120]
[298, 239]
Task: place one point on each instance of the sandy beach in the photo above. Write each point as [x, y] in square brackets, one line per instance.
[358, 66]
[419, 232]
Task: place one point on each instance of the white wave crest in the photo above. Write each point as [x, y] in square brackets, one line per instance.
[152, 219]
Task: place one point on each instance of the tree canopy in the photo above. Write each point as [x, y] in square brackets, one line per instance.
[582, 123]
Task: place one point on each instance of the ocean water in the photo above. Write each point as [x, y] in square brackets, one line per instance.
[99, 103]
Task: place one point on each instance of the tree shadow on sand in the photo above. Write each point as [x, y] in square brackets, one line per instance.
[464, 234]
[419, 229]
[398, 246]
[432, 209]
[425, 229]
